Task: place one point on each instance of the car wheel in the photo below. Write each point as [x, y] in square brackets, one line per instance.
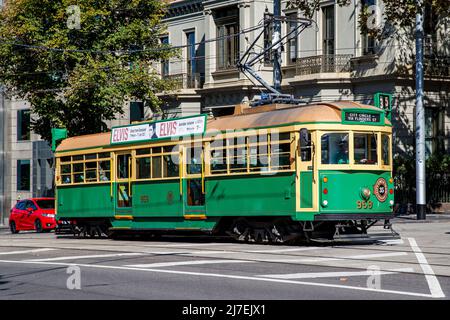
[13, 228]
[38, 226]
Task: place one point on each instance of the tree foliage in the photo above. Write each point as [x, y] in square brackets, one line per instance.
[80, 77]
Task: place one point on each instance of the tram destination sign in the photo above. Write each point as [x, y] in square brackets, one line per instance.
[159, 130]
[361, 117]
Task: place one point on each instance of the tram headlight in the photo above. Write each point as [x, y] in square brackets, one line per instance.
[391, 202]
[365, 193]
[325, 203]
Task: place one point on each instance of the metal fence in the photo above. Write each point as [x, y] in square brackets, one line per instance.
[323, 63]
[187, 80]
[437, 191]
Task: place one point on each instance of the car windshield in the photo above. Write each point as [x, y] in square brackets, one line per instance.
[46, 204]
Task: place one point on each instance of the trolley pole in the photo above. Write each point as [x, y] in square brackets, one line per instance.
[277, 49]
[420, 118]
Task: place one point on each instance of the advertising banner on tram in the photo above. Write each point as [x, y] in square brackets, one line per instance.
[159, 129]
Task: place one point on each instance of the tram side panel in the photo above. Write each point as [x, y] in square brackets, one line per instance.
[157, 199]
[85, 201]
[251, 195]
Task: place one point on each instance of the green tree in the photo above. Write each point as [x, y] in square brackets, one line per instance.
[79, 65]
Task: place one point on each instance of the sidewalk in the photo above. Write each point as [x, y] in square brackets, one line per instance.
[432, 217]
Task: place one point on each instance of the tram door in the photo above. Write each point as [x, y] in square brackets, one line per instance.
[194, 183]
[123, 187]
[305, 169]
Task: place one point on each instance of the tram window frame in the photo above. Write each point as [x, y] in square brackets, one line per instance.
[330, 154]
[383, 150]
[84, 169]
[253, 153]
[158, 164]
[368, 157]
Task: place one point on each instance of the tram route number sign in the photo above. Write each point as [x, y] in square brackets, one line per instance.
[158, 130]
[362, 117]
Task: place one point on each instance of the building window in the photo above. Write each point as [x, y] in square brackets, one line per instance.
[164, 63]
[23, 125]
[191, 67]
[328, 30]
[268, 34]
[368, 41]
[434, 131]
[136, 111]
[227, 22]
[430, 26]
[292, 45]
[23, 175]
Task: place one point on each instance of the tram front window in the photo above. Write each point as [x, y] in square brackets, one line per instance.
[335, 148]
[365, 148]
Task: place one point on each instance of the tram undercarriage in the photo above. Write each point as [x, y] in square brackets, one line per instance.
[286, 231]
[259, 230]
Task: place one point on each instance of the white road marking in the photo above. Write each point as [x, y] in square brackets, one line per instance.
[314, 275]
[286, 250]
[27, 251]
[187, 244]
[87, 257]
[186, 263]
[226, 276]
[433, 283]
[357, 257]
[393, 241]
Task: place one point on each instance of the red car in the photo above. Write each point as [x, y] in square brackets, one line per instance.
[33, 214]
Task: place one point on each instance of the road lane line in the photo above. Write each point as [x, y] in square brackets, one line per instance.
[356, 257]
[27, 251]
[185, 263]
[285, 250]
[225, 276]
[433, 283]
[87, 257]
[186, 245]
[314, 275]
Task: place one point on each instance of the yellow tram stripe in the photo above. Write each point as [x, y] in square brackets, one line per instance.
[195, 216]
[128, 217]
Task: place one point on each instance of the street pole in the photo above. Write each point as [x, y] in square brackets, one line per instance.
[420, 118]
[277, 49]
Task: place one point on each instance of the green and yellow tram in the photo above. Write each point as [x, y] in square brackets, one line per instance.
[274, 173]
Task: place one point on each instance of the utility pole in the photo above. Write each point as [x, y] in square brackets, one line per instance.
[277, 48]
[420, 118]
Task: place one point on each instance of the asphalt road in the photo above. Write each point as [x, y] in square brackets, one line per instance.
[49, 266]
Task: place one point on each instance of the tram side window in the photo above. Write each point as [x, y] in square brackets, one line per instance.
[104, 170]
[143, 168]
[78, 172]
[253, 153]
[259, 152]
[385, 149]
[157, 162]
[335, 148]
[170, 166]
[280, 151]
[89, 168]
[305, 150]
[66, 173]
[365, 148]
[218, 156]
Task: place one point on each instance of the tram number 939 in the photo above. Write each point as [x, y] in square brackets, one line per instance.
[364, 204]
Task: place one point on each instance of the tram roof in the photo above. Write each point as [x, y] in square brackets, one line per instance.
[246, 118]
